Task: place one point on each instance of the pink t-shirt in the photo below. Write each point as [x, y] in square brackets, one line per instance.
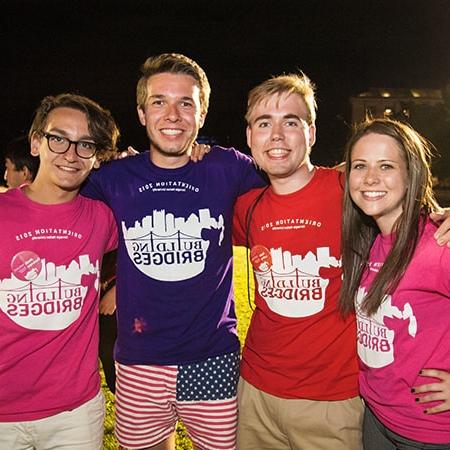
[49, 278]
[409, 332]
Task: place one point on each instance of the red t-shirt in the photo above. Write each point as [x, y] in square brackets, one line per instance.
[298, 345]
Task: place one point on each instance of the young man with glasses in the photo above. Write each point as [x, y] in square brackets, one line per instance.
[52, 242]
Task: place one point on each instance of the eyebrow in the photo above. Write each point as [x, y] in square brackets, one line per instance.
[378, 160]
[286, 116]
[161, 96]
[65, 134]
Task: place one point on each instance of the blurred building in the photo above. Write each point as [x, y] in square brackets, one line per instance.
[392, 103]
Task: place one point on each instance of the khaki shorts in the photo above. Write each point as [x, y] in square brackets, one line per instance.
[78, 429]
[266, 422]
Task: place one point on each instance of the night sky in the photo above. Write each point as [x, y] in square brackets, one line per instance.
[96, 49]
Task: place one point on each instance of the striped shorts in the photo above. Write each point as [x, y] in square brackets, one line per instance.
[150, 400]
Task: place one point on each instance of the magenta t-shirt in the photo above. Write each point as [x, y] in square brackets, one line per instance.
[49, 278]
[409, 332]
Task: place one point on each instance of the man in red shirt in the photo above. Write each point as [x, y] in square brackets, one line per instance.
[298, 386]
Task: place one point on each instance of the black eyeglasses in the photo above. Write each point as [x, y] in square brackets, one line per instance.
[60, 144]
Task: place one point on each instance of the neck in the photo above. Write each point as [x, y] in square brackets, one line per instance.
[48, 195]
[168, 161]
[294, 182]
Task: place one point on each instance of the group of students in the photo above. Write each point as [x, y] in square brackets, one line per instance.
[298, 382]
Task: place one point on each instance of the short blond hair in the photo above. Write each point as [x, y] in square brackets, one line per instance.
[293, 83]
[177, 64]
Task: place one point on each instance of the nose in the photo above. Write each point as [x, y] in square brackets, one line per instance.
[71, 153]
[172, 113]
[277, 133]
[372, 176]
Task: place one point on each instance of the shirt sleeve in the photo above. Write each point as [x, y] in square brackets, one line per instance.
[113, 240]
[250, 177]
[239, 234]
[444, 275]
[94, 186]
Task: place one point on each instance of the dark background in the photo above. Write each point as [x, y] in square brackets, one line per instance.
[96, 49]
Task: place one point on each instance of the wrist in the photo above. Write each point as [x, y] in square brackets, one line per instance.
[106, 285]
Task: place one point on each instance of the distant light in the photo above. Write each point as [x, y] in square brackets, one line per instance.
[385, 94]
[388, 112]
[415, 93]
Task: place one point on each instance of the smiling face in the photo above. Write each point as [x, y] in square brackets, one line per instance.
[60, 175]
[378, 179]
[172, 117]
[281, 139]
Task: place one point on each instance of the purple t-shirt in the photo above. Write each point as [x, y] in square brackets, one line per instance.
[409, 332]
[174, 279]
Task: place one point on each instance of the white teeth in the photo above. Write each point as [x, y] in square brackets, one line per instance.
[171, 132]
[374, 194]
[277, 152]
[67, 169]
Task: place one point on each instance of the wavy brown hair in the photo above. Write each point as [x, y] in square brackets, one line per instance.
[359, 230]
[101, 123]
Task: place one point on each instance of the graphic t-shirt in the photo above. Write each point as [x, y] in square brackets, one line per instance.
[409, 332]
[297, 345]
[175, 300]
[49, 275]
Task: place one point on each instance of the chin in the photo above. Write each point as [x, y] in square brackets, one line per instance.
[173, 152]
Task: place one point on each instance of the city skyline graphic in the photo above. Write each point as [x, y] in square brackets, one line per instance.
[53, 299]
[169, 248]
[291, 284]
[375, 339]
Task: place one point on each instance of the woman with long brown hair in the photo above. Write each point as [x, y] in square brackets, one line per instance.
[397, 278]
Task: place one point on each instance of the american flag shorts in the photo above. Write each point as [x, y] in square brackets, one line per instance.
[150, 400]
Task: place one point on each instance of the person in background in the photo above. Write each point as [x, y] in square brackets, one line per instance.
[52, 244]
[397, 279]
[20, 165]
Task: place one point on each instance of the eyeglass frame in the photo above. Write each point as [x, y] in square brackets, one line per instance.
[69, 143]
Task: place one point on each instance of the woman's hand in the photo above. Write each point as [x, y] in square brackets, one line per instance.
[438, 391]
[442, 218]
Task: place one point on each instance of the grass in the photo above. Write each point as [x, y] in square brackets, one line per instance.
[243, 312]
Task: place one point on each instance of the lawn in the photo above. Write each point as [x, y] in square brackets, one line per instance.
[243, 312]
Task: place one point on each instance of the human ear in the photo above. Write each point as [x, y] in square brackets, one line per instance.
[141, 115]
[35, 144]
[26, 174]
[312, 135]
[248, 132]
[202, 119]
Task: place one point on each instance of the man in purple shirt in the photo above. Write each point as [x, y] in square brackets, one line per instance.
[177, 349]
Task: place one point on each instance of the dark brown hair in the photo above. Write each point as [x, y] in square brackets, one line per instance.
[359, 230]
[101, 124]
